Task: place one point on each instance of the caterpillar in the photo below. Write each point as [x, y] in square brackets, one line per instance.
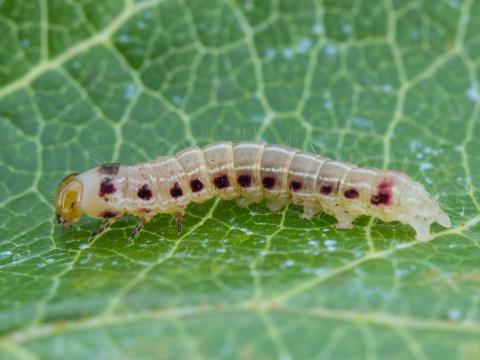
[249, 172]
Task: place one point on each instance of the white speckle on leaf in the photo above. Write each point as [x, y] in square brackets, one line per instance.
[258, 118]
[331, 49]
[414, 34]
[123, 38]
[25, 43]
[347, 28]
[317, 28]
[220, 250]
[401, 272]
[328, 105]
[359, 272]
[358, 253]
[270, 53]
[304, 45]
[140, 24]
[289, 263]
[50, 260]
[454, 314]
[227, 64]
[313, 242]
[414, 145]
[288, 53]
[326, 230]
[177, 100]
[245, 231]
[330, 242]
[387, 88]
[129, 91]
[362, 122]
[5, 254]
[473, 93]
[319, 271]
[426, 166]
[454, 4]
[86, 259]
[83, 246]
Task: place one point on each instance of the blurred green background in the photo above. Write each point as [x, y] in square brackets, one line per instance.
[392, 84]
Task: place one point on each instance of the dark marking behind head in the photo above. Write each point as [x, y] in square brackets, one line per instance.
[221, 182]
[144, 193]
[109, 169]
[106, 187]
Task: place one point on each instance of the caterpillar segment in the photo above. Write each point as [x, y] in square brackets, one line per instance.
[249, 172]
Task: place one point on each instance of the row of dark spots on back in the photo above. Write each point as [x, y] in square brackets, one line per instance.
[383, 197]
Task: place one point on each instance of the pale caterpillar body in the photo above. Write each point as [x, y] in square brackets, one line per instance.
[249, 172]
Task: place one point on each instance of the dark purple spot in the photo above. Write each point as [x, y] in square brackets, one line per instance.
[384, 195]
[176, 190]
[351, 194]
[145, 193]
[221, 182]
[295, 185]
[108, 214]
[244, 180]
[196, 185]
[109, 169]
[106, 187]
[326, 189]
[268, 182]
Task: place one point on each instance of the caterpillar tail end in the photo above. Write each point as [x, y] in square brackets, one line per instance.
[443, 219]
[421, 225]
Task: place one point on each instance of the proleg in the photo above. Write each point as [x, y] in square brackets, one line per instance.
[249, 172]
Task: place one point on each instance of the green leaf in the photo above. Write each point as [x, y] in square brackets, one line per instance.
[392, 84]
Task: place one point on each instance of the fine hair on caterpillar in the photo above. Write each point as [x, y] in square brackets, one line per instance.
[249, 172]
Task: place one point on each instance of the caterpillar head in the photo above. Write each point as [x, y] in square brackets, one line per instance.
[67, 201]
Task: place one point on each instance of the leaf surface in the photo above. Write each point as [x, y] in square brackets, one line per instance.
[391, 84]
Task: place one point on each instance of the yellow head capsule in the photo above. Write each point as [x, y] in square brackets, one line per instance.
[67, 202]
